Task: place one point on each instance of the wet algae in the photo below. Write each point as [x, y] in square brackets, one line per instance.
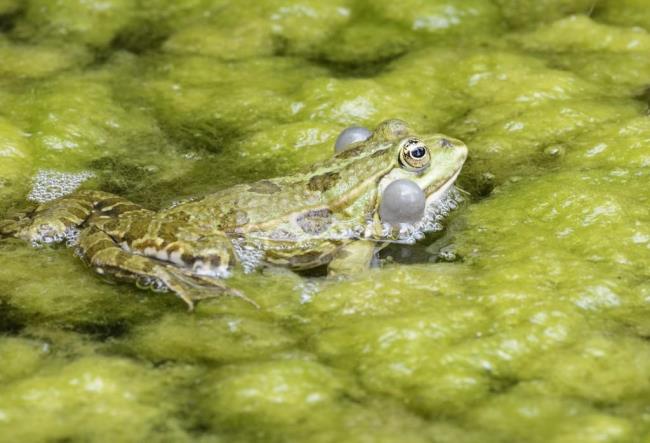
[528, 319]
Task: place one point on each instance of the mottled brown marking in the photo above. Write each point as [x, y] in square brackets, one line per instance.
[233, 219]
[352, 152]
[137, 230]
[97, 247]
[83, 204]
[264, 187]
[379, 153]
[147, 268]
[181, 217]
[315, 222]
[173, 248]
[309, 260]
[212, 261]
[119, 209]
[215, 260]
[323, 182]
[282, 234]
[145, 243]
[111, 225]
[78, 212]
[306, 259]
[167, 231]
[109, 201]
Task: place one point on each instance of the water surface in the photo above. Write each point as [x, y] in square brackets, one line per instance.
[533, 323]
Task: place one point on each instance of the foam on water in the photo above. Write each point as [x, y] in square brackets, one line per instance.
[151, 283]
[47, 236]
[434, 214]
[49, 185]
[307, 289]
[250, 256]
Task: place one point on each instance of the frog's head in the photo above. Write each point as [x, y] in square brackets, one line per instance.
[431, 161]
[391, 153]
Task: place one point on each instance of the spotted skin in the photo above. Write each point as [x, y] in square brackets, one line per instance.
[328, 214]
[315, 221]
[324, 182]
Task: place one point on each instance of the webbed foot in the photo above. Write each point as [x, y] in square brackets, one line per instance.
[192, 288]
[50, 222]
[352, 259]
[15, 223]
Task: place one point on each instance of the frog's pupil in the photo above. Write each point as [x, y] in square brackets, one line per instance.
[418, 152]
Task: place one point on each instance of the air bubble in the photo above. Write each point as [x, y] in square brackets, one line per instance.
[308, 289]
[49, 185]
[71, 237]
[158, 286]
[448, 253]
[250, 255]
[151, 283]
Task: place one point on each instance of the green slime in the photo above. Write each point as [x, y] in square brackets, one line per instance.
[527, 320]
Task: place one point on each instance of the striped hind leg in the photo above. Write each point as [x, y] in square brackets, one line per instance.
[108, 258]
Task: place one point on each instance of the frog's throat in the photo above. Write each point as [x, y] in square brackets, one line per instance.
[442, 190]
[437, 207]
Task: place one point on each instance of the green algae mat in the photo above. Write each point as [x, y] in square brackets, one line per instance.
[527, 319]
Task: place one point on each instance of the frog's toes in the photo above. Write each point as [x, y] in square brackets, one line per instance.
[48, 233]
[239, 294]
[8, 228]
[14, 223]
[194, 297]
[194, 288]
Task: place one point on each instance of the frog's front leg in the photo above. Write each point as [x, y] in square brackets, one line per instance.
[107, 258]
[352, 259]
[56, 220]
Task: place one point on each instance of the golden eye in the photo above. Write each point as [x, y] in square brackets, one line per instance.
[414, 155]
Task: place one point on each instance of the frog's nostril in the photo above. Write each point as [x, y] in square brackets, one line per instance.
[446, 143]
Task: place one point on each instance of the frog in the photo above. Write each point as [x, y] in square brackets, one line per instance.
[326, 215]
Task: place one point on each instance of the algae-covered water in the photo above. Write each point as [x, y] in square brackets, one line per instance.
[528, 319]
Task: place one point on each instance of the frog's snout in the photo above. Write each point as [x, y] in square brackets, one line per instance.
[457, 148]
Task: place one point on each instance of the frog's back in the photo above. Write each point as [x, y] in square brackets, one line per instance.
[253, 206]
[331, 198]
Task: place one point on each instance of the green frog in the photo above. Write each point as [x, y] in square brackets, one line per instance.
[326, 215]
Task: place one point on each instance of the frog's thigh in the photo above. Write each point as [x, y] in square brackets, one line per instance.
[352, 259]
[106, 257]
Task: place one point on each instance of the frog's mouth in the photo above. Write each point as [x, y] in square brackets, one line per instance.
[442, 191]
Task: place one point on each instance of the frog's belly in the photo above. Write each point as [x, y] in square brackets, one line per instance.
[300, 255]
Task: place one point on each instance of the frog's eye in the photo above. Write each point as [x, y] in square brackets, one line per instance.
[414, 155]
